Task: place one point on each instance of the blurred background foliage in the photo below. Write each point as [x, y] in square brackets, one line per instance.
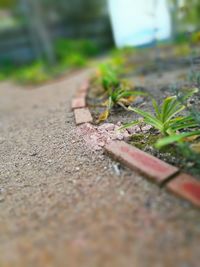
[40, 39]
[185, 15]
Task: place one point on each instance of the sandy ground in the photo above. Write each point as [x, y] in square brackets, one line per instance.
[64, 206]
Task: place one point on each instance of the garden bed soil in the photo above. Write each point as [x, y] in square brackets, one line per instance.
[160, 85]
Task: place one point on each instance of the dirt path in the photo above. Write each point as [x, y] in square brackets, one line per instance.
[62, 206]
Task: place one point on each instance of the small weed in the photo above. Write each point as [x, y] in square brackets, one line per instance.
[108, 77]
[121, 96]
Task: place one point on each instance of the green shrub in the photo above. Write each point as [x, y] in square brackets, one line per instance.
[70, 54]
[75, 61]
[35, 73]
[65, 47]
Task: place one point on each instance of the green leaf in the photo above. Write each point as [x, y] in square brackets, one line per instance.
[148, 118]
[174, 138]
[156, 108]
[170, 108]
[128, 125]
[166, 106]
[191, 93]
[183, 123]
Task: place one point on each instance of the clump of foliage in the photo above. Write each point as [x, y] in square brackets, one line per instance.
[108, 76]
[35, 73]
[119, 56]
[70, 54]
[120, 96]
[177, 138]
[181, 130]
[195, 37]
[6, 69]
[182, 50]
[194, 77]
[65, 47]
[74, 53]
[74, 61]
[118, 92]
[184, 136]
[165, 118]
[124, 52]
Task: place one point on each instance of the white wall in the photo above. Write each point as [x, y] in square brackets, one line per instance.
[134, 21]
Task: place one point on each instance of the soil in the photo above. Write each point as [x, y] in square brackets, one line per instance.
[62, 204]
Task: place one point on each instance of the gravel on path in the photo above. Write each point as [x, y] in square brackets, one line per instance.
[62, 205]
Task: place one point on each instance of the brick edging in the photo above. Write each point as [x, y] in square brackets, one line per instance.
[81, 112]
[155, 169]
[160, 172]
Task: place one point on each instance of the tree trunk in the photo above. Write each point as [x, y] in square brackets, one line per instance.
[38, 30]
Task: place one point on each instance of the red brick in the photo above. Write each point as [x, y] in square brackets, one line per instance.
[78, 102]
[84, 86]
[82, 115]
[187, 187]
[136, 159]
[81, 94]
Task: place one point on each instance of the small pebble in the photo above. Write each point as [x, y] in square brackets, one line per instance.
[2, 198]
[116, 169]
[122, 193]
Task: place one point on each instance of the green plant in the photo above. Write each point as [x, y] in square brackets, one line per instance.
[165, 118]
[3, 76]
[121, 96]
[74, 61]
[194, 77]
[124, 52]
[74, 53]
[6, 69]
[187, 146]
[35, 73]
[187, 143]
[108, 77]
[67, 47]
[117, 91]
[176, 138]
[182, 50]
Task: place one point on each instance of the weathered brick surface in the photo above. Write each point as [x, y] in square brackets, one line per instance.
[187, 187]
[81, 94]
[78, 102]
[82, 115]
[84, 86]
[136, 159]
